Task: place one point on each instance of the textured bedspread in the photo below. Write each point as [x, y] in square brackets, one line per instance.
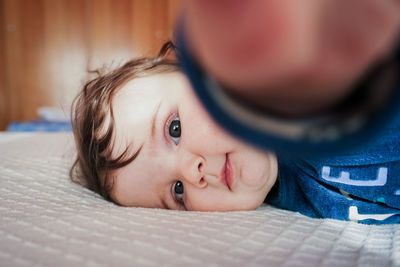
[45, 220]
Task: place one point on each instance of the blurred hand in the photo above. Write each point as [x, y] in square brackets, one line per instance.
[294, 57]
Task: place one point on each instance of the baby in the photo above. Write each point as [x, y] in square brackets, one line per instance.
[144, 140]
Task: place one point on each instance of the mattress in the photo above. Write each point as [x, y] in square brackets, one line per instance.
[46, 220]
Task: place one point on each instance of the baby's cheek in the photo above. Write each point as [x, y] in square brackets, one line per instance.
[248, 201]
[209, 200]
[229, 201]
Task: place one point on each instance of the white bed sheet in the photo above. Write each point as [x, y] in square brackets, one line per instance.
[45, 220]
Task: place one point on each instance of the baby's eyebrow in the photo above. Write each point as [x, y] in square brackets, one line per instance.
[153, 124]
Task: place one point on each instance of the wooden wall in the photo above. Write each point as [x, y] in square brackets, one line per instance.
[3, 97]
[46, 46]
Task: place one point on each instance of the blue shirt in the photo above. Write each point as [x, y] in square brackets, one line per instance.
[361, 185]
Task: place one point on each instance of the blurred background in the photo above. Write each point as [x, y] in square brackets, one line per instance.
[47, 46]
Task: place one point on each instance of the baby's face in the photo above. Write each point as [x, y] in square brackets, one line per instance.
[185, 161]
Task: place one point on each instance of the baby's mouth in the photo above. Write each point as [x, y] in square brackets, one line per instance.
[227, 173]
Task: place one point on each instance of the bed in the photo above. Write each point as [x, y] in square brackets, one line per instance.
[46, 220]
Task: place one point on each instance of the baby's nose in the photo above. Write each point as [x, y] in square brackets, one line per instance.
[192, 167]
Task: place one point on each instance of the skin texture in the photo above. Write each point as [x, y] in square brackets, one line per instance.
[291, 56]
[196, 159]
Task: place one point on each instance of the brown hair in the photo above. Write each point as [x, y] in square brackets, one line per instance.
[93, 120]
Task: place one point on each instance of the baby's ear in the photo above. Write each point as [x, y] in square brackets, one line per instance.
[109, 185]
[77, 176]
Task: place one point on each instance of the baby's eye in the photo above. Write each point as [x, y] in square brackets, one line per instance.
[175, 131]
[178, 191]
